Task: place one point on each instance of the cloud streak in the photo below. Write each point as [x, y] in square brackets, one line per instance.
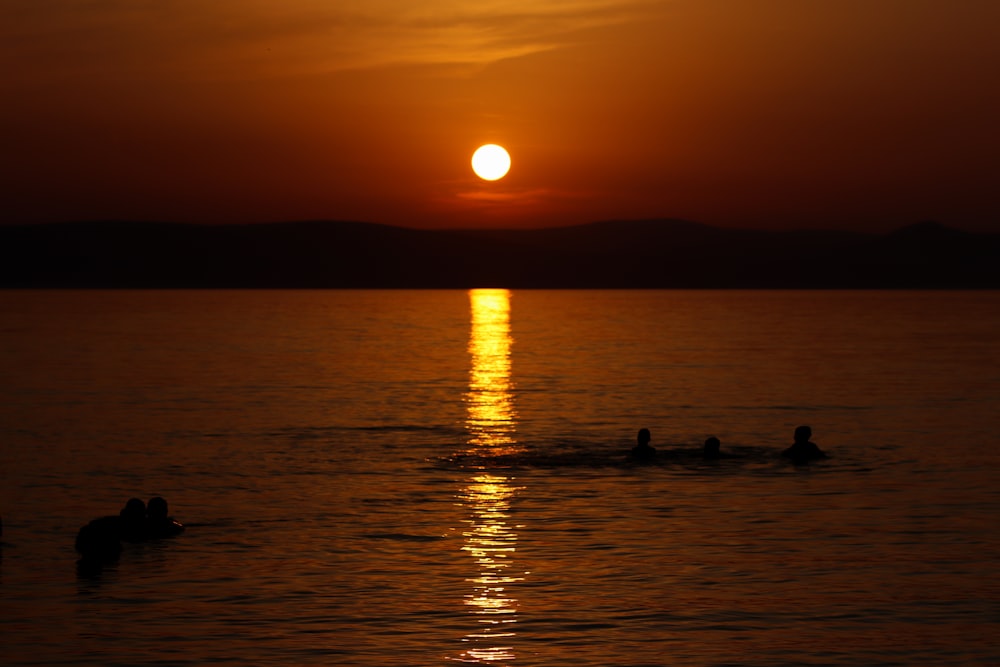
[226, 39]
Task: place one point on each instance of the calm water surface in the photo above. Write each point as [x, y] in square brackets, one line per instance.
[425, 478]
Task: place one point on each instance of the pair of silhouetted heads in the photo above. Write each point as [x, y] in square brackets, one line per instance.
[100, 540]
[148, 521]
[643, 451]
[802, 449]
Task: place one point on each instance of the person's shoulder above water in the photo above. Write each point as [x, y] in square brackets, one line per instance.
[643, 451]
[803, 449]
[100, 539]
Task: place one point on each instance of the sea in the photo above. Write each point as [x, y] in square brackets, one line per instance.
[442, 477]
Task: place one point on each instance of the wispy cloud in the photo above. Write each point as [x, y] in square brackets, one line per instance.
[450, 32]
[248, 38]
[519, 195]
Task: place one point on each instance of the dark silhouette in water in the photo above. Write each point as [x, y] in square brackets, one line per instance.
[100, 541]
[133, 521]
[711, 449]
[158, 524]
[803, 450]
[642, 450]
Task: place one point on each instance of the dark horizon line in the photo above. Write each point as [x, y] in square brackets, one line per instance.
[929, 221]
[612, 254]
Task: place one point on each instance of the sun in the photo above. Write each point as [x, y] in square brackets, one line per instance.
[491, 162]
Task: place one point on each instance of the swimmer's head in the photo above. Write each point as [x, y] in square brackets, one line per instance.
[134, 509]
[157, 508]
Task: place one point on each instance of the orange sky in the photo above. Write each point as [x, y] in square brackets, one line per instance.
[866, 114]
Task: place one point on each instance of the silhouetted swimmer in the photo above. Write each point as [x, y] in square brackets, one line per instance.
[643, 451]
[711, 449]
[158, 524]
[803, 450]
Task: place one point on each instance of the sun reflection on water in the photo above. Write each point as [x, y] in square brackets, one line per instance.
[490, 537]
[490, 417]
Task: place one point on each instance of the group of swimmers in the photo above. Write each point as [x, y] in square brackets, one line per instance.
[101, 539]
[802, 451]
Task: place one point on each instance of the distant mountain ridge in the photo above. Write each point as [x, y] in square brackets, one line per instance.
[616, 254]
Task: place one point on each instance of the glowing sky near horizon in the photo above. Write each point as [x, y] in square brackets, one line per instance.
[763, 113]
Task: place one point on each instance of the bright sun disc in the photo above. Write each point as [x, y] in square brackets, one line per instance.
[491, 162]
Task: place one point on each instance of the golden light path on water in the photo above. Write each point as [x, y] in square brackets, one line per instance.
[490, 537]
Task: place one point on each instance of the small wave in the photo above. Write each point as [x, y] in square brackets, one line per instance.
[802, 408]
[404, 537]
[402, 428]
[323, 432]
[679, 458]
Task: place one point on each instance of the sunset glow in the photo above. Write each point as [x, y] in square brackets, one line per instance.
[777, 113]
